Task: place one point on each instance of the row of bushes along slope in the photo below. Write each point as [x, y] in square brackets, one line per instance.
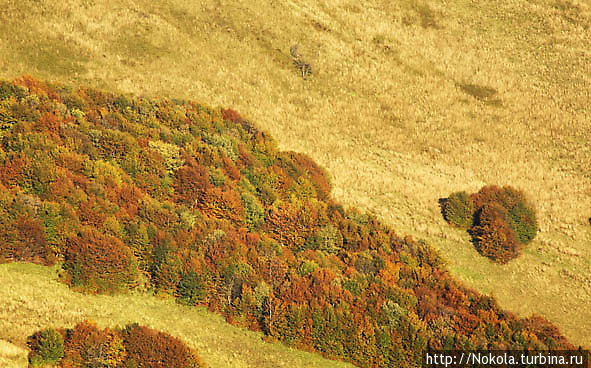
[87, 345]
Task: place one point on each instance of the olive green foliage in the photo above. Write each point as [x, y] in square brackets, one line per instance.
[522, 219]
[255, 215]
[458, 210]
[47, 347]
[192, 288]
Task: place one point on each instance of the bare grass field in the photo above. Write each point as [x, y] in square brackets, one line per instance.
[408, 102]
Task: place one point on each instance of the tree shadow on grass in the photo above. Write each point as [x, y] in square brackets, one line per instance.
[442, 202]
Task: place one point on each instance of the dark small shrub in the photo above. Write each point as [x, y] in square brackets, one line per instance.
[458, 210]
[47, 347]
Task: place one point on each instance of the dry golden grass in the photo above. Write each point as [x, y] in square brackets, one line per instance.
[41, 302]
[12, 356]
[409, 101]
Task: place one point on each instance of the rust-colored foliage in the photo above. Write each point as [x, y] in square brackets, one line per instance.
[13, 170]
[49, 124]
[546, 332]
[154, 349]
[192, 183]
[63, 188]
[90, 213]
[283, 225]
[71, 161]
[88, 346]
[487, 194]
[230, 168]
[38, 87]
[221, 203]
[99, 262]
[316, 173]
[495, 238]
[24, 241]
[245, 157]
[127, 197]
[232, 115]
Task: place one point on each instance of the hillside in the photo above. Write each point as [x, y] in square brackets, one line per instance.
[423, 98]
[175, 198]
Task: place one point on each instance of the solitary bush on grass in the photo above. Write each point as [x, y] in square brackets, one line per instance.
[500, 219]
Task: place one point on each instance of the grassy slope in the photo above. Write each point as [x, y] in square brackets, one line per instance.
[409, 101]
[42, 301]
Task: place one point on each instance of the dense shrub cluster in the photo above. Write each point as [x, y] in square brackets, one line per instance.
[195, 202]
[501, 220]
[86, 345]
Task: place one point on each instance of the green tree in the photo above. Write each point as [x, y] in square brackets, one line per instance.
[47, 347]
